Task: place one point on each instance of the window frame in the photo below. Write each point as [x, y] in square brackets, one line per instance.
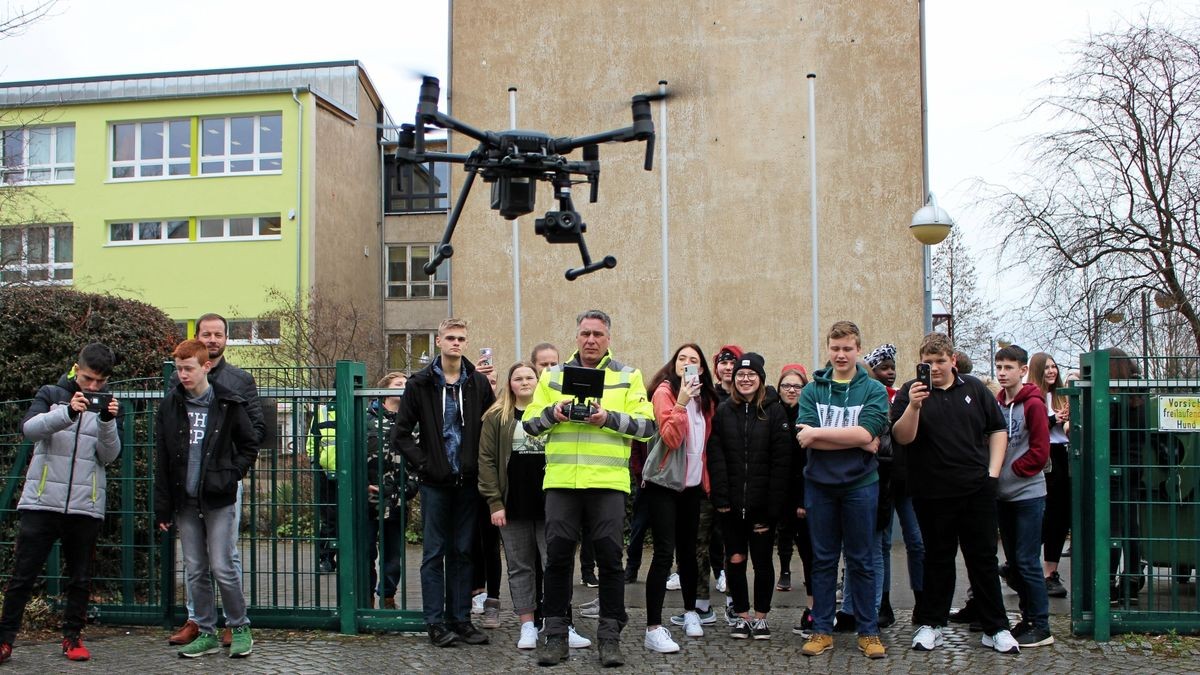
[414, 360]
[137, 163]
[433, 283]
[256, 155]
[135, 225]
[254, 339]
[397, 200]
[226, 225]
[24, 168]
[51, 266]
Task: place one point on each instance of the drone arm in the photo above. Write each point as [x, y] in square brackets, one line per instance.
[444, 249]
[568, 144]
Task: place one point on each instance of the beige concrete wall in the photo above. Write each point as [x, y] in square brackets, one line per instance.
[738, 170]
[346, 212]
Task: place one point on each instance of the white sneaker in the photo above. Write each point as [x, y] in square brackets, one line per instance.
[927, 638]
[477, 603]
[721, 584]
[673, 582]
[529, 636]
[590, 610]
[575, 640]
[1002, 642]
[659, 640]
[691, 624]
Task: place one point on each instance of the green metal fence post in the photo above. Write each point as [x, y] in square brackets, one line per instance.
[352, 486]
[166, 582]
[1102, 397]
[129, 481]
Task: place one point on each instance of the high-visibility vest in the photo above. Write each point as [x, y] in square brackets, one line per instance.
[580, 455]
[324, 439]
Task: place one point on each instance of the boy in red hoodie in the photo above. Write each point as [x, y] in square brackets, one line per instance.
[1021, 494]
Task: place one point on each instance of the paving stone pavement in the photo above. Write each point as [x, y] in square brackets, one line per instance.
[144, 650]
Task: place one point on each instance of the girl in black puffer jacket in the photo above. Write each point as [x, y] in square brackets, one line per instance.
[749, 455]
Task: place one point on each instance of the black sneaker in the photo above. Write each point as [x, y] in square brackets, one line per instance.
[844, 623]
[610, 653]
[805, 627]
[741, 630]
[631, 576]
[759, 630]
[553, 651]
[441, 635]
[1008, 573]
[785, 581]
[1020, 629]
[731, 617]
[1054, 586]
[589, 579]
[1032, 636]
[887, 617]
[964, 615]
[468, 633]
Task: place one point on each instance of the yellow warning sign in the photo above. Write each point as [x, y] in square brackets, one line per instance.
[1179, 413]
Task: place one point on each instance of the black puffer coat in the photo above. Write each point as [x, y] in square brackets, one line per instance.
[749, 459]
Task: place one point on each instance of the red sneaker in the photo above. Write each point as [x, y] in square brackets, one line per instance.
[5, 652]
[74, 650]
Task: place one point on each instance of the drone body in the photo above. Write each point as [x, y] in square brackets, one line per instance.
[513, 161]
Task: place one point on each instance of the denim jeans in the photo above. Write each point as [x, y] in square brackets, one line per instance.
[839, 518]
[209, 543]
[448, 521]
[237, 560]
[914, 545]
[1021, 534]
[880, 568]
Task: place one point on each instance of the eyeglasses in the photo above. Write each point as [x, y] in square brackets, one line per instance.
[746, 377]
[791, 387]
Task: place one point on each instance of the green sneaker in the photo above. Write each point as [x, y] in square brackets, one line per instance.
[206, 644]
[242, 643]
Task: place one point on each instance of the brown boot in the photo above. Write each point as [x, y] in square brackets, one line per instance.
[227, 637]
[185, 635]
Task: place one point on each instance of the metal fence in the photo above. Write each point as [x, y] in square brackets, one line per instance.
[285, 499]
[1135, 473]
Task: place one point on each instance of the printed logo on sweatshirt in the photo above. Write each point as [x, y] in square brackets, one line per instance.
[838, 416]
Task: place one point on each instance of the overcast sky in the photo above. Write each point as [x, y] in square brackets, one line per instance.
[985, 63]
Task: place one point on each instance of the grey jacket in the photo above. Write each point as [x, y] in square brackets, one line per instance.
[66, 473]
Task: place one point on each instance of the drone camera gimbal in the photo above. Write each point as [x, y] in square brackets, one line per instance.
[513, 161]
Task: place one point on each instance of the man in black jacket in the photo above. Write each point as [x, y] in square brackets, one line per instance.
[445, 401]
[204, 446]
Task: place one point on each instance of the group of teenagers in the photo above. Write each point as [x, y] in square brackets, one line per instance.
[711, 450]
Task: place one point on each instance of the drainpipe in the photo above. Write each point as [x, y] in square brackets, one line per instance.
[295, 215]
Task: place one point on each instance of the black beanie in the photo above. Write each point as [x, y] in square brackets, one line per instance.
[754, 362]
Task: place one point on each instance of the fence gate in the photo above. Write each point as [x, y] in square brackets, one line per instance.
[1135, 474]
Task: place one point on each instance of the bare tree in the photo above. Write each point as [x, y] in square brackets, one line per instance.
[956, 284]
[1115, 188]
[318, 330]
[15, 19]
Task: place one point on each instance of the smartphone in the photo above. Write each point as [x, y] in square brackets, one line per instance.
[98, 401]
[923, 375]
[691, 373]
[485, 356]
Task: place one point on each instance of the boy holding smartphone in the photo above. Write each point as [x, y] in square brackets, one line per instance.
[74, 426]
[956, 439]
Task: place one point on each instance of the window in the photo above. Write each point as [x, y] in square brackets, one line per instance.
[240, 227]
[246, 144]
[253, 331]
[148, 231]
[39, 155]
[181, 330]
[156, 149]
[41, 254]
[406, 278]
[410, 351]
[416, 188]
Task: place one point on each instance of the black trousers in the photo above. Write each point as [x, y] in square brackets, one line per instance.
[327, 508]
[36, 535]
[793, 532]
[485, 554]
[1056, 522]
[741, 539]
[604, 511]
[947, 524]
[674, 521]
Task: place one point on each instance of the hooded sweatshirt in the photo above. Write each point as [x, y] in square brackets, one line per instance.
[863, 402]
[1028, 444]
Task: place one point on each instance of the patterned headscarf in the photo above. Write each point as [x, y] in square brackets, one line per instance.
[882, 353]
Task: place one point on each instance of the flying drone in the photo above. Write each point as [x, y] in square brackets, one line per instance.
[513, 161]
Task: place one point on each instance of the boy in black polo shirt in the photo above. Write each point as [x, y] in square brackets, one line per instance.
[956, 440]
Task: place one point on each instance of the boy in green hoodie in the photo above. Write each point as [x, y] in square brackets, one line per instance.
[842, 414]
